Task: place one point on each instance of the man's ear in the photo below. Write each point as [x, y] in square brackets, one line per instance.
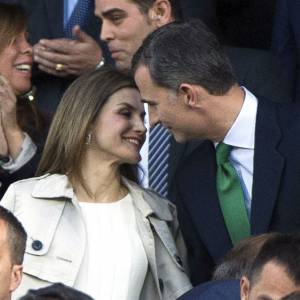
[245, 288]
[190, 95]
[160, 13]
[16, 277]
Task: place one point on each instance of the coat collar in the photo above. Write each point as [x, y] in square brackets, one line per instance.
[57, 186]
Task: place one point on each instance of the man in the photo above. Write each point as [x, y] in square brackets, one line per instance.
[12, 248]
[249, 184]
[275, 272]
[125, 24]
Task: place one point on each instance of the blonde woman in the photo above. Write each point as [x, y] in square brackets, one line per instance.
[90, 226]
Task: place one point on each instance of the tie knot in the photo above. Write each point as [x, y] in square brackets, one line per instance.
[223, 152]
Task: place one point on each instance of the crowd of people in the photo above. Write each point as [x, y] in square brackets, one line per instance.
[140, 157]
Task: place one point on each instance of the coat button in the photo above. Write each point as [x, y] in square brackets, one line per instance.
[161, 285]
[37, 245]
[178, 259]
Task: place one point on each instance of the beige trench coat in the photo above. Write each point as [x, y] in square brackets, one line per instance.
[52, 217]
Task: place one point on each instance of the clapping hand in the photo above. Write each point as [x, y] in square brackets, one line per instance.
[64, 57]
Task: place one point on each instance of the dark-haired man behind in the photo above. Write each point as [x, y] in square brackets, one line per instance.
[191, 89]
[276, 270]
[12, 248]
[56, 291]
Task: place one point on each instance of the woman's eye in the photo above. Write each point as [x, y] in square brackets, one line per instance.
[126, 113]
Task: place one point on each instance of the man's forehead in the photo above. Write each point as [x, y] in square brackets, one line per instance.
[107, 5]
[3, 232]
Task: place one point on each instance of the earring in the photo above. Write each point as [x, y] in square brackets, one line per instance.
[88, 138]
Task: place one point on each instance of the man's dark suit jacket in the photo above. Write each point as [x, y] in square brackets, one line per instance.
[286, 41]
[214, 290]
[45, 20]
[275, 191]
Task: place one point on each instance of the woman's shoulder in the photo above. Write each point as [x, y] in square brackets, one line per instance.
[40, 182]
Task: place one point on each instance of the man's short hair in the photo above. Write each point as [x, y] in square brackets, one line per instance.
[57, 291]
[16, 236]
[240, 258]
[186, 52]
[282, 249]
[145, 5]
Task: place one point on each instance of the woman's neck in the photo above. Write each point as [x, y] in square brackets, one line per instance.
[102, 182]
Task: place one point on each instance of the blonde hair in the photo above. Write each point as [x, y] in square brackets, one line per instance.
[12, 23]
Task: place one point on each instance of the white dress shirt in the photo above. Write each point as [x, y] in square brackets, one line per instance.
[241, 136]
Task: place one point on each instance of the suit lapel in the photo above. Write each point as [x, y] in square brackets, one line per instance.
[55, 11]
[199, 194]
[268, 167]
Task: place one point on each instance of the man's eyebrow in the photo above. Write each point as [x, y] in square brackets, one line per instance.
[264, 297]
[108, 13]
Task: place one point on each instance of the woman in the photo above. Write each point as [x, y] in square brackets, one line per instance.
[21, 125]
[90, 226]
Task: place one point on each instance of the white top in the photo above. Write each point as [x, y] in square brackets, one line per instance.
[241, 136]
[115, 263]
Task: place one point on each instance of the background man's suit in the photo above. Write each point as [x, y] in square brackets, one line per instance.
[275, 192]
[214, 290]
[286, 41]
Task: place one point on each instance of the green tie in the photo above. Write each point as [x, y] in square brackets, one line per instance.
[231, 196]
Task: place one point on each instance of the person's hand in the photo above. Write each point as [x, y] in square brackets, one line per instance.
[8, 106]
[3, 142]
[10, 128]
[65, 57]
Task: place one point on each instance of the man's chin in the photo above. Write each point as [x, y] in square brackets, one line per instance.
[179, 138]
[123, 67]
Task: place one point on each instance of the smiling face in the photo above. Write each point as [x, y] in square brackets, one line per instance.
[124, 28]
[16, 64]
[169, 108]
[119, 131]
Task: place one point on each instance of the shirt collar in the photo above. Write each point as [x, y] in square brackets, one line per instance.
[242, 132]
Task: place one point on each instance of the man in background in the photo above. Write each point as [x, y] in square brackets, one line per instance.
[12, 248]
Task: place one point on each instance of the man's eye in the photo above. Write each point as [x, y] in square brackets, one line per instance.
[116, 18]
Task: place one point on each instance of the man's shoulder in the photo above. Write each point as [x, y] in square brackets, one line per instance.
[215, 290]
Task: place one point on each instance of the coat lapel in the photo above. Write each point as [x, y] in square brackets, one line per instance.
[199, 194]
[268, 167]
